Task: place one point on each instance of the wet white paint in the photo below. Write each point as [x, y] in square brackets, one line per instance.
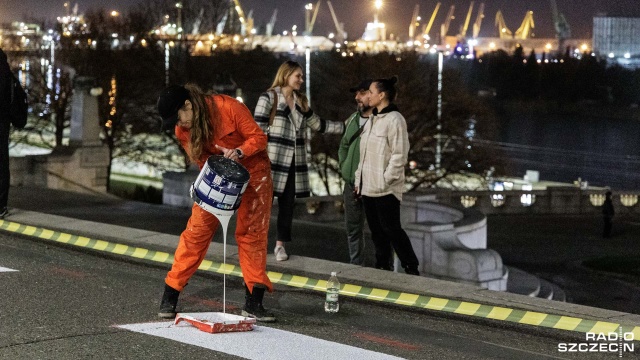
[261, 343]
[4, 269]
[224, 222]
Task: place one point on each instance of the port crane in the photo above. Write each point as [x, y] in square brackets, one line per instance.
[463, 30]
[221, 24]
[563, 30]
[524, 31]
[196, 24]
[503, 30]
[246, 22]
[444, 28]
[271, 24]
[310, 20]
[427, 28]
[478, 22]
[341, 35]
[415, 22]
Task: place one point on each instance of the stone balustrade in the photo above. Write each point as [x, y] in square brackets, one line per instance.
[553, 200]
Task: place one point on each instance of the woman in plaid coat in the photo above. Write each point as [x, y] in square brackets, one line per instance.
[286, 143]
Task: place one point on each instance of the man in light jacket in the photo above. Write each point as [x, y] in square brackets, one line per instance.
[384, 148]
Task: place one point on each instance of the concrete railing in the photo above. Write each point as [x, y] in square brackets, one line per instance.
[553, 200]
[451, 242]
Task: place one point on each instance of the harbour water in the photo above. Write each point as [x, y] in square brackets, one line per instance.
[603, 150]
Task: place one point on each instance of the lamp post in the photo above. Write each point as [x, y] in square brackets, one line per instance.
[307, 18]
[307, 53]
[179, 21]
[439, 114]
[378, 5]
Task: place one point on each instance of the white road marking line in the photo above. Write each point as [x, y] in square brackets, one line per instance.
[4, 269]
[261, 343]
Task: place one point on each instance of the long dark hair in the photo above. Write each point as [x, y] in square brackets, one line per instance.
[388, 86]
[202, 127]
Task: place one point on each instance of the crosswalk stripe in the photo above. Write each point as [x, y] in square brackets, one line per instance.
[259, 343]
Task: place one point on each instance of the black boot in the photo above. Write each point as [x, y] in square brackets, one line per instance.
[411, 270]
[169, 302]
[253, 305]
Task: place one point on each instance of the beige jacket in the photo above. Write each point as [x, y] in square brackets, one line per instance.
[384, 147]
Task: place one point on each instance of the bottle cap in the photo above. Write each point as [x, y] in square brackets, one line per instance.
[333, 273]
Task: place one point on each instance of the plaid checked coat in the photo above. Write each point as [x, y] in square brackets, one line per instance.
[286, 139]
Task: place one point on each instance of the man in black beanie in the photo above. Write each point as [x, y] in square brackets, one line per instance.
[349, 158]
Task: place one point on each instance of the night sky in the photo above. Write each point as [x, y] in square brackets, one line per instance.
[396, 13]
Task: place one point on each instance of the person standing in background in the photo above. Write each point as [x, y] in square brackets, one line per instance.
[287, 143]
[13, 111]
[349, 158]
[5, 100]
[384, 149]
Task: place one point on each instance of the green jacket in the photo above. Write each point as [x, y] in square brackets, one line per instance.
[349, 155]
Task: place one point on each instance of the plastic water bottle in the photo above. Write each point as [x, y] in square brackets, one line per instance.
[331, 304]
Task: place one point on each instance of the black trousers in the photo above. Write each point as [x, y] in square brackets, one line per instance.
[4, 163]
[286, 204]
[608, 225]
[383, 217]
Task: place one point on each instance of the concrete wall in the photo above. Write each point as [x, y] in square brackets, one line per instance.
[82, 166]
[82, 169]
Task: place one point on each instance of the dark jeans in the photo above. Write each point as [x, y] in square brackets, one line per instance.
[354, 223]
[286, 204]
[4, 163]
[383, 217]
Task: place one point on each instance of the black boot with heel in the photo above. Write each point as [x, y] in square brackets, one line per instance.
[169, 303]
[253, 305]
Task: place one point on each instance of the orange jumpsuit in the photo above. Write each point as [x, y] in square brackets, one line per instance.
[235, 129]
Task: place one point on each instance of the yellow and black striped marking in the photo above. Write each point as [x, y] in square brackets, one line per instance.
[394, 297]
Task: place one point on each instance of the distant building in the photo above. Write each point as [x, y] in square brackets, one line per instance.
[20, 36]
[617, 38]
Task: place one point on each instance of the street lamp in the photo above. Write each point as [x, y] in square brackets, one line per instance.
[179, 7]
[378, 5]
[439, 114]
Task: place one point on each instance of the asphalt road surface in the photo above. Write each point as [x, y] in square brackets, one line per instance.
[62, 303]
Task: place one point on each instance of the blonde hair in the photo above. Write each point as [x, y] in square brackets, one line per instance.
[285, 70]
[202, 128]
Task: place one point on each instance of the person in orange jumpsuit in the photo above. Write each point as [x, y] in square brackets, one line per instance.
[208, 124]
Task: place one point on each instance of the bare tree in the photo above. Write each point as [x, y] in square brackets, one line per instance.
[465, 118]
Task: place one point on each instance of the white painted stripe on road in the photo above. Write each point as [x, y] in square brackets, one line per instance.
[261, 343]
[4, 269]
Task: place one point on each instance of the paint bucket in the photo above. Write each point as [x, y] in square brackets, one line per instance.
[220, 185]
